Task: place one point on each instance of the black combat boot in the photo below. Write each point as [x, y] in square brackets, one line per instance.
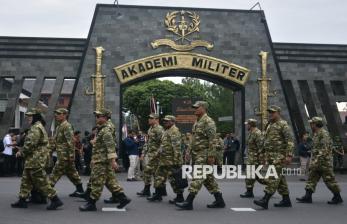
[285, 202]
[179, 198]
[89, 206]
[21, 203]
[78, 192]
[264, 202]
[55, 203]
[307, 198]
[112, 200]
[37, 198]
[157, 196]
[219, 202]
[337, 199]
[123, 200]
[146, 192]
[248, 193]
[187, 204]
[85, 195]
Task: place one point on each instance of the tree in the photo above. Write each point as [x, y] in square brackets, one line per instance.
[136, 99]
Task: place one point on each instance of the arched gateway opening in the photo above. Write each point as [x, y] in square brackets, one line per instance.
[184, 64]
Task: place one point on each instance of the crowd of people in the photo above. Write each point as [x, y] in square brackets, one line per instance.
[159, 156]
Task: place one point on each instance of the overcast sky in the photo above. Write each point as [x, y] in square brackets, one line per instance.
[301, 21]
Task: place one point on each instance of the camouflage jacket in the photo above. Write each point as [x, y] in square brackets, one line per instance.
[254, 147]
[278, 141]
[104, 148]
[64, 142]
[218, 145]
[203, 133]
[170, 148]
[113, 129]
[154, 139]
[35, 147]
[321, 152]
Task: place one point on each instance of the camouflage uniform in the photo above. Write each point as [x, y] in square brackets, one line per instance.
[66, 155]
[34, 153]
[337, 149]
[203, 134]
[113, 131]
[254, 154]
[102, 172]
[278, 145]
[151, 151]
[170, 157]
[218, 145]
[320, 164]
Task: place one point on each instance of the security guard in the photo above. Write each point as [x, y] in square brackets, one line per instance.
[155, 133]
[320, 164]
[203, 152]
[170, 159]
[65, 148]
[254, 154]
[104, 164]
[34, 153]
[278, 147]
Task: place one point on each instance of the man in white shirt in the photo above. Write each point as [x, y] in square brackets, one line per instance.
[8, 153]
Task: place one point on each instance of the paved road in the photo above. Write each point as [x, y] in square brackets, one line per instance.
[141, 211]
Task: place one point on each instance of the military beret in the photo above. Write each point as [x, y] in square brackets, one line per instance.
[154, 116]
[33, 111]
[169, 118]
[61, 111]
[251, 121]
[316, 120]
[198, 104]
[103, 112]
[274, 108]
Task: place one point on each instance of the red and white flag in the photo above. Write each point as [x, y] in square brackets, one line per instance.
[124, 131]
[152, 105]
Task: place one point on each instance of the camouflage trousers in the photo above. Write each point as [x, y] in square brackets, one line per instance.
[69, 169]
[35, 178]
[210, 182]
[326, 172]
[103, 175]
[162, 174]
[277, 184]
[250, 182]
[150, 169]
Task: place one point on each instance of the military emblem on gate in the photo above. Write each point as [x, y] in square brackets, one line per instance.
[182, 24]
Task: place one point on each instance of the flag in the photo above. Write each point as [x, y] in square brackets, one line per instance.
[152, 105]
[124, 131]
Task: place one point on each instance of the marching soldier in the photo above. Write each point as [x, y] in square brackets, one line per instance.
[155, 133]
[254, 154]
[320, 164]
[278, 147]
[104, 164]
[65, 152]
[170, 159]
[203, 152]
[35, 154]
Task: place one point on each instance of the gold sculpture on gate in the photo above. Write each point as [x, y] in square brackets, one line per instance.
[264, 91]
[98, 85]
[182, 24]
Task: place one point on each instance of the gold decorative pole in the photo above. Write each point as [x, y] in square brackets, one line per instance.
[264, 91]
[98, 84]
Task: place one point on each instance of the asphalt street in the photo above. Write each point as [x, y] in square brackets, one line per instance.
[144, 212]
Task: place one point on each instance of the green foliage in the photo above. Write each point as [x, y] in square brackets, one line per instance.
[136, 99]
